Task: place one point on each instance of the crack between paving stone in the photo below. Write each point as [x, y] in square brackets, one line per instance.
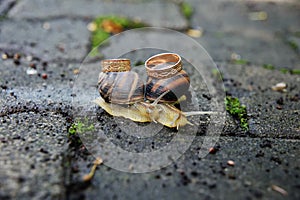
[36, 109]
[8, 5]
[23, 108]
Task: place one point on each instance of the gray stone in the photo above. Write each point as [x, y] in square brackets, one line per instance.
[63, 39]
[155, 13]
[259, 164]
[260, 49]
[5, 5]
[271, 113]
[39, 161]
[227, 28]
[233, 16]
[32, 147]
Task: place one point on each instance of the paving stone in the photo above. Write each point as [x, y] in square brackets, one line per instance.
[229, 28]
[267, 116]
[259, 50]
[36, 162]
[31, 74]
[259, 164]
[234, 15]
[32, 147]
[167, 14]
[62, 39]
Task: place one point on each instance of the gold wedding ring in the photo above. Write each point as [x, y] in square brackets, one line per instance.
[116, 65]
[163, 65]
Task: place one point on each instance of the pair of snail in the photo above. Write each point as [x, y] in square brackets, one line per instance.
[124, 94]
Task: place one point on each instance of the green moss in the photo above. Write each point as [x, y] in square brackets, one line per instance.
[234, 107]
[269, 66]
[284, 70]
[139, 62]
[293, 45]
[295, 71]
[216, 73]
[118, 24]
[186, 9]
[241, 62]
[296, 34]
[2, 17]
[80, 127]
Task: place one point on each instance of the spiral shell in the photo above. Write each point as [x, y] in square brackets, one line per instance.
[165, 73]
[121, 87]
[178, 85]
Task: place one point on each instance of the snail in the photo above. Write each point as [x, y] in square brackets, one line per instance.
[122, 93]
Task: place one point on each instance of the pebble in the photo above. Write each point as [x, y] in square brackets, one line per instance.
[31, 71]
[92, 26]
[212, 150]
[76, 71]
[44, 76]
[280, 87]
[4, 56]
[29, 58]
[279, 189]
[46, 26]
[196, 33]
[235, 56]
[230, 163]
[17, 56]
[32, 65]
[258, 16]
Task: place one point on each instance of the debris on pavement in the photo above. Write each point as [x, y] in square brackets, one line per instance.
[196, 33]
[230, 163]
[280, 87]
[258, 16]
[90, 175]
[279, 190]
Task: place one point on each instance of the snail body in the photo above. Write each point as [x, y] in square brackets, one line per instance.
[165, 114]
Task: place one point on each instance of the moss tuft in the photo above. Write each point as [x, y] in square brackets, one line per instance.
[80, 127]
[269, 66]
[241, 62]
[234, 107]
[186, 9]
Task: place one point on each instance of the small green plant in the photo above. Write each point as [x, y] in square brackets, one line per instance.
[293, 45]
[240, 62]
[186, 9]
[282, 70]
[269, 66]
[80, 127]
[295, 71]
[216, 73]
[234, 107]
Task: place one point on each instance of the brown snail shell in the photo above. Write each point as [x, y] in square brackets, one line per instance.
[120, 87]
[165, 73]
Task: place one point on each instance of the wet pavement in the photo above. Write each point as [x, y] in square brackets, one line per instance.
[43, 44]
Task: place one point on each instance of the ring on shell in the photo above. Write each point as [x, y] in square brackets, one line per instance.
[163, 65]
[116, 65]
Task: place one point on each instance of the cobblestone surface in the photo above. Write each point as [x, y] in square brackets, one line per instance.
[42, 44]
